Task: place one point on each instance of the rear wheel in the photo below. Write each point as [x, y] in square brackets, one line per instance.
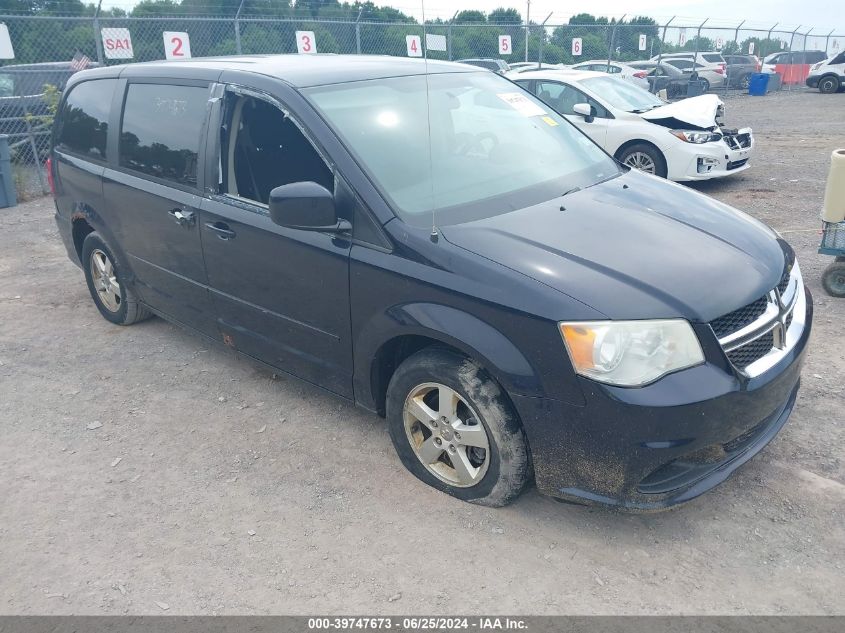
[705, 85]
[829, 85]
[107, 283]
[833, 279]
[645, 158]
[454, 429]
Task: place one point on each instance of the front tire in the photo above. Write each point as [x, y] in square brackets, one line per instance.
[645, 158]
[107, 283]
[455, 430]
[829, 85]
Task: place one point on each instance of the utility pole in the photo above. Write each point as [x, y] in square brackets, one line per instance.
[358, 31]
[527, 28]
[543, 39]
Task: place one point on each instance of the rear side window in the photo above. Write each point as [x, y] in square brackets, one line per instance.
[713, 58]
[85, 118]
[160, 133]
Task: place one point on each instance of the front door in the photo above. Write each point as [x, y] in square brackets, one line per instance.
[563, 98]
[281, 295]
[153, 198]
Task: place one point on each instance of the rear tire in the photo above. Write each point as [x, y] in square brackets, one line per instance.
[645, 158]
[705, 85]
[455, 430]
[829, 85]
[107, 283]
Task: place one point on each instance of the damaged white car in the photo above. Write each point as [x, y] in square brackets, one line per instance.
[682, 141]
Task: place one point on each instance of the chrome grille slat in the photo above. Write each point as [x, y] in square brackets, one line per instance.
[755, 346]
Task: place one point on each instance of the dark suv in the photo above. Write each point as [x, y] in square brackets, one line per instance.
[510, 298]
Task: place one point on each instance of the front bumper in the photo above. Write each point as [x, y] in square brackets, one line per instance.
[688, 162]
[650, 448]
[813, 82]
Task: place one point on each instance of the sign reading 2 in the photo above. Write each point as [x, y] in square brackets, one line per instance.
[177, 45]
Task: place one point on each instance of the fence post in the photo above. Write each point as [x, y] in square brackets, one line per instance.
[827, 43]
[36, 159]
[358, 31]
[768, 39]
[613, 42]
[98, 40]
[527, 28]
[791, 42]
[449, 36]
[238, 29]
[663, 39]
[543, 38]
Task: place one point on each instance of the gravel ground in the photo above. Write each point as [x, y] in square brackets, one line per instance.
[144, 472]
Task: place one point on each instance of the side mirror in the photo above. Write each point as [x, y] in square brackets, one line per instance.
[585, 110]
[306, 206]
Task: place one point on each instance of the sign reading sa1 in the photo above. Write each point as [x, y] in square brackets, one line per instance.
[505, 45]
[117, 43]
[643, 41]
[576, 46]
[306, 43]
[177, 45]
[414, 44]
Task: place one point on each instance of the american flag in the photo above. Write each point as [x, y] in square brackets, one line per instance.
[80, 61]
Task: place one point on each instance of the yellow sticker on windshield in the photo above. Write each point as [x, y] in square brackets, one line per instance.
[550, 121]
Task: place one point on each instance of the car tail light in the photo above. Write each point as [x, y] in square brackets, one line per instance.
[721, 69]
[641, 75]
[49, 167]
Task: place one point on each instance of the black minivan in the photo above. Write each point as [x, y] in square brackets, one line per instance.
[434, 244]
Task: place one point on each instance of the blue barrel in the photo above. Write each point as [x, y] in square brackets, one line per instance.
[758, 85]
[7, 180]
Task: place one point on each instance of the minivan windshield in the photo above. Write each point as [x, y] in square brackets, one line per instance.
[622, 94]
[492, 147]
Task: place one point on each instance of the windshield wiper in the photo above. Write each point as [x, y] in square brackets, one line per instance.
[573, 190]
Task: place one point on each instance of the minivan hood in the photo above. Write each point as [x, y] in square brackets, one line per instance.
[698, 111]
[635, 247]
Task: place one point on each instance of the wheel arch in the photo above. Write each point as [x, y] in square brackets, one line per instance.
[642, 141]
[410, 328]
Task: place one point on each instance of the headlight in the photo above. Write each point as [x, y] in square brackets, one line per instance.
[631, 353]
[817, 66]
[688, 136]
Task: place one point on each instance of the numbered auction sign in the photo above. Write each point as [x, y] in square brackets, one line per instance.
[177, 45]
[643, 41]
[504, 45]
[576, 46]
[750, 48]
[682, 37]
[720, 44]
[6, 50]
[306, 42]
[117, 43]
[414, 44]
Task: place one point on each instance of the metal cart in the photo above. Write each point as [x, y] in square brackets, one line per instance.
[833, 243]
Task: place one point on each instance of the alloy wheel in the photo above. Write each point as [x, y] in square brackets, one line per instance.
[446, 435]
[641, 161]
[105, 281]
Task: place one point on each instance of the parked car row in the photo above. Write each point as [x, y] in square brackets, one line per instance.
[514, 301]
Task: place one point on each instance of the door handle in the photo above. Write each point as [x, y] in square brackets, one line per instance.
[183, 217]
[222, 229]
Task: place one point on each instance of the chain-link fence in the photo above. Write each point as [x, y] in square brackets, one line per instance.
[679, 58]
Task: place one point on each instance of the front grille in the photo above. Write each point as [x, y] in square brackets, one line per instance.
[736, 164]
[738, 319]
[743, 356]
[738, 141]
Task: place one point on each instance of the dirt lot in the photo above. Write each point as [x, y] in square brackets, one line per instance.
[144, 472]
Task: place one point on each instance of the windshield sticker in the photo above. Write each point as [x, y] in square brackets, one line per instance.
[550, 121]
[521, 104]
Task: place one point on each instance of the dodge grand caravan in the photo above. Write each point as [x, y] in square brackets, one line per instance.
[513, 301]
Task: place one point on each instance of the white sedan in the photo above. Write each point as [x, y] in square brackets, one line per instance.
[682, 141]
[636, 76]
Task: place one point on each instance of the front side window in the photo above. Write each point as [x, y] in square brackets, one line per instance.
[85, 118]
[263, 148]
[160, 133]
[839, 59]
[563, 98]
[491, 148]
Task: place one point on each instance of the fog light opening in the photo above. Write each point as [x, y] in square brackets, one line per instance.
[706, 164]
